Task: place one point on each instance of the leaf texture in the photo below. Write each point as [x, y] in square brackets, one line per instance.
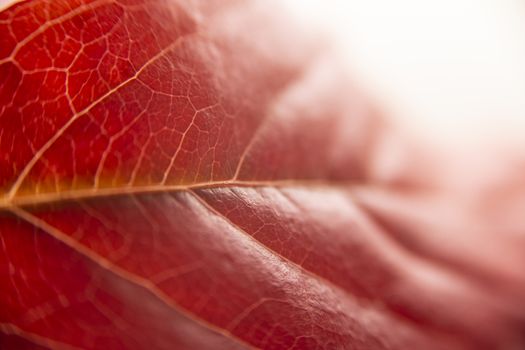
[200, 175]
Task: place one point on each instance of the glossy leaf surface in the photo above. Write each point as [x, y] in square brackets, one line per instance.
[200, 175]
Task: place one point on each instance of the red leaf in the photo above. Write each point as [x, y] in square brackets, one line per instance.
[198, 175]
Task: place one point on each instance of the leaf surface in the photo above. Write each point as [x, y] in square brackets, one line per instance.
[200, 175]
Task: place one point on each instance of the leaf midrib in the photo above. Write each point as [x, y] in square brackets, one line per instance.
[22, 200]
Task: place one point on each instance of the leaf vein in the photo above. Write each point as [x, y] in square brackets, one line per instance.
[38, 154]
[122, 273]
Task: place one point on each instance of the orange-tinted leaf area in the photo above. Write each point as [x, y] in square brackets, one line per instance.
[200, 175]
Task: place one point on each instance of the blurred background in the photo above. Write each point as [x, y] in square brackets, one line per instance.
[451, 72]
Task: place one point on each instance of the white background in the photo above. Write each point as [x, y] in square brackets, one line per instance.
[451, 71]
